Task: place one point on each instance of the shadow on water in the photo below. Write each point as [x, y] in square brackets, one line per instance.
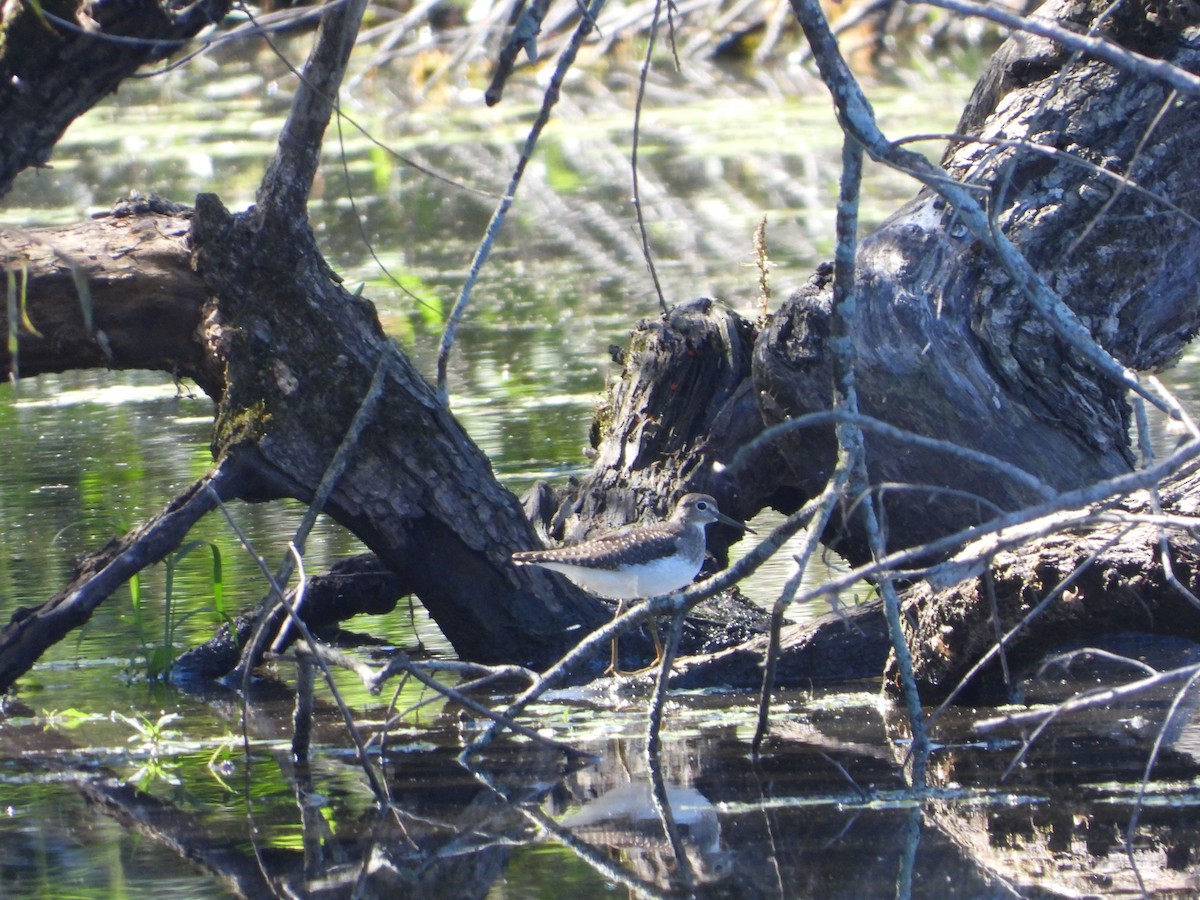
[824, 812]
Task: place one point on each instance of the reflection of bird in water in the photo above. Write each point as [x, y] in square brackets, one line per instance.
[626, 819]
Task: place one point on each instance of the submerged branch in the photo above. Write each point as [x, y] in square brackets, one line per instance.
[31, 631]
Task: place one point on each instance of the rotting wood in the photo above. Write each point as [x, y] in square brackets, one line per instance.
[1096, 581]
[672, 421]
[947, 346]
[147, 305]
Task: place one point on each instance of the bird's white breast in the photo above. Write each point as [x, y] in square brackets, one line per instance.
[648, 579]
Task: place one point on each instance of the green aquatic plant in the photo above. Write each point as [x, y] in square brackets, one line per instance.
[158, 659]
[153, 734]
[66, 719]
[154, 738]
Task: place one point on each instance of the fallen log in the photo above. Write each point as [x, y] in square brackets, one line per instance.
[1063, 591]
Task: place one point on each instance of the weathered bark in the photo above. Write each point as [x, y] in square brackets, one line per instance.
[143, 308]
[674, 418]
[419, 492]
[946, 347]
[1118, 584]
[296, 354]
[59, 58]
[828, 650]
[300, 353]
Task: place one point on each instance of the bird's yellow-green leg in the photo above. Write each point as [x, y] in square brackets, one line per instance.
[612, 663]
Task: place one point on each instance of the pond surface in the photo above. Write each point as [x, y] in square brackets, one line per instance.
[116, 785]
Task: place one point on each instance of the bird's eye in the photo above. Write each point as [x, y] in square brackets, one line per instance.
[701, 505]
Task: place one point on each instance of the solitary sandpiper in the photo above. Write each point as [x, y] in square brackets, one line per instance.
[639, 562]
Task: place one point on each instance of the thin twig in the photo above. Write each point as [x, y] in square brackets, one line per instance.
[401, 663]
[329, 480]
[1101, 698]
[857, 120]
[763, 264]
[647, 256]
[599, 859]
[658, 700]
[1178, 412]
[565, 60]
[1071, 509]
[1167, 104]
[280, 642]
[310, 645]
[1159, 739]
[1146, 448]
[522, 37]
[342, 116]
[1121, 182]
[852, 449]
[824, 509]
[989, 586]
[1043, 604]
[662, 805]
[764, 439]
[395, 718]
[1094, 45]
[360, 219]
[1066, 659]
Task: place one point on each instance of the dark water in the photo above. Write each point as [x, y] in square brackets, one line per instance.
[823, 813]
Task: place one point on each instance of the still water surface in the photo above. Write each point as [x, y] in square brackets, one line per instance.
[822, 814]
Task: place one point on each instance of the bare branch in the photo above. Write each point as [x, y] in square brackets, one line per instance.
[857, 119]
[869, 423]
[1093, 45]
[633, 157]
[1091, 700]
[283, 194]
[565, 60]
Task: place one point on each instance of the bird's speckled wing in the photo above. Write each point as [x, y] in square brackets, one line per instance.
[611, 550]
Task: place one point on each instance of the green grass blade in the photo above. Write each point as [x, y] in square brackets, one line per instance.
[13, 337]
[25, 320]
[218, 582]
[84, 289]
